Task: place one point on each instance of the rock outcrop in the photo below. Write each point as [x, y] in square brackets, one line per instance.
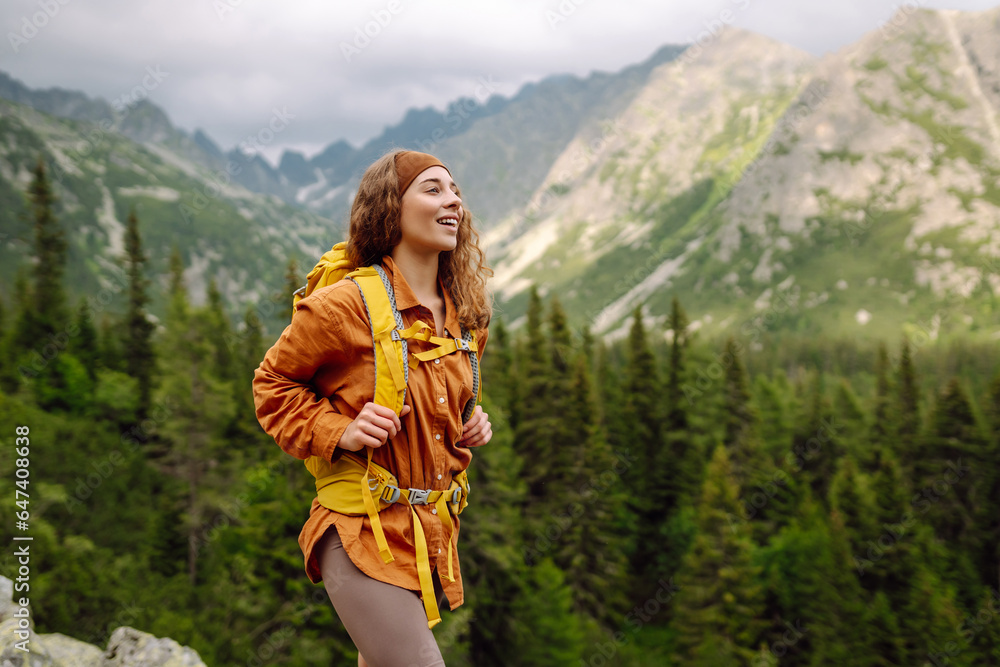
[127, 646]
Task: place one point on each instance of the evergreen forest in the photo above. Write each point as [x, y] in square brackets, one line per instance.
[663, 499]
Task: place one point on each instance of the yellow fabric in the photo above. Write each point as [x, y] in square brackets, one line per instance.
[390, 385]
[331, 267]
[337, 491]
[338, 483]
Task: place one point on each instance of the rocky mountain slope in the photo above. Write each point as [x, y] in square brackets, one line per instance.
[855, 195]
[241, 238]
[502, 148]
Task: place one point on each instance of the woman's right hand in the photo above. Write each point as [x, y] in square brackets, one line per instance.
[373, 427]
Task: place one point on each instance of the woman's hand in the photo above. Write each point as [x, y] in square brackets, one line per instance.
[373, 426]
[478, 429]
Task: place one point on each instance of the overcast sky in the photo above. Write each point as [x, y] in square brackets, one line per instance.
[226, 65]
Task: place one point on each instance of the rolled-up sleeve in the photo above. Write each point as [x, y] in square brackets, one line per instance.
[301, 421]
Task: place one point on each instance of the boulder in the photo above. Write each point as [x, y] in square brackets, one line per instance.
[127, 646]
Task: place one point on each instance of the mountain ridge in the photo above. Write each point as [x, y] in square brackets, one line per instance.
[857, 189]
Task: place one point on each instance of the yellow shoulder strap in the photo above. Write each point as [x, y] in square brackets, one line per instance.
[390, 370]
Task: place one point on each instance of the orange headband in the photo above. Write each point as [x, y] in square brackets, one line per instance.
[409, 164]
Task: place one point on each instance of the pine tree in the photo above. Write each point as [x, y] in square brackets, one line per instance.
[815, 600]
[774, 423]
[567, 438]
[251, 346]
[611, 393]
[642, 392]
[684, 478]
[218, 330]
[676, 413]
[84, 345]
[546, 630]
[592, 556]
[535, 385]
[499, 374]
[139, 355]
[50, 250]
[720, 599]
[929, 618]
[200, 406]
[893, 570]
[493, 552]
[852, 503]
[739, 422]
[908, 409]
[111, 345]
[982, 639]
[292, 283]
[948, 477]
[644, 427]
[888, 646]
[989, 508]
[817, 442]
[882, 428]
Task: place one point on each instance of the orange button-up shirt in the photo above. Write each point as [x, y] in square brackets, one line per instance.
[315, 380]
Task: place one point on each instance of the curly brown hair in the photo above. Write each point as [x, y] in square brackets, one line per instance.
[375, 230]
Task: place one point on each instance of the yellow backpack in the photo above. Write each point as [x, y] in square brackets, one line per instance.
[351, 484]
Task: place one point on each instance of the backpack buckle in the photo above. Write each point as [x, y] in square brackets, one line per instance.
[456, 496]
[462, 345]
[418, 496]
[393, 494]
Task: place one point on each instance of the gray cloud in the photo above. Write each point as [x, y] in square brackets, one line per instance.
[229, 63]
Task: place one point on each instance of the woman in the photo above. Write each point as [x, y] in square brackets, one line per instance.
[408, 217]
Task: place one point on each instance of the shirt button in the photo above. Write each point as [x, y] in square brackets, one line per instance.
[439, 476]
[434, 511]
[437, 437]
[437, 361]
[441, 400]
[439, 550]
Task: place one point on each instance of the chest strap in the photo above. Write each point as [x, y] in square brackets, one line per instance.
[339, 491]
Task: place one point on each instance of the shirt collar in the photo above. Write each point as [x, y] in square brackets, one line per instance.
[405, 298]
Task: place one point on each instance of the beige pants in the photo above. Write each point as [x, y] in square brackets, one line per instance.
[387, 623]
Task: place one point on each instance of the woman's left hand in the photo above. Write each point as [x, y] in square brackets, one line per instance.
[478, 429]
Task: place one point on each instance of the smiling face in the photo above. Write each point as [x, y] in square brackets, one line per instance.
[430, 212]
